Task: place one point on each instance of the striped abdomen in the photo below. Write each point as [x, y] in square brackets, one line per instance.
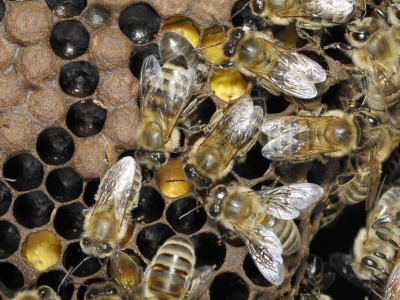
[171, 268]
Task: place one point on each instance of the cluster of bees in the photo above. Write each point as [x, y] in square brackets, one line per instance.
[367, 134]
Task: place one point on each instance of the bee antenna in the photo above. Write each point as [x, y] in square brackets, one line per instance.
[8, 179]
[205, 47]
[240, 10]
[218, 23]
[176, 180]
[192, 210]
[69, 273]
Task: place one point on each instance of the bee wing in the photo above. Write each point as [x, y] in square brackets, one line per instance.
[150, 79]
[119, 187]
[285, 202]
[374, 179]
[392, 288]
[201, 281]
[265, 249]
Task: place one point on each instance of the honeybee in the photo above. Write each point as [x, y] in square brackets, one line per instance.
[212, 157]
[102, 291]
[42, 293]
[263, 220]
[331, 212]
[274, 67]
[391, 290]
[107, 220]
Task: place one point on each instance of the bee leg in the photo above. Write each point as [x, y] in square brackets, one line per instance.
[301, 32]
[341, 46]
[230, 235]
[107, 150]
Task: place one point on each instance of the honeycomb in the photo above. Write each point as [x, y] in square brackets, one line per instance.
[69, 80]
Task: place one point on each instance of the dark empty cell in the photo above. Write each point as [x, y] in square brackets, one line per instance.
[69, 39]
[82, 289]
[64, 184]
[245, 18]
[208, 250]
[139, 54]
[66, 8]
[150, 207]
[79, 79]
[274, 104]
[55, 146]
[74, 255]
[72, 215]
[228, 286]
[9, 239]
[97, 16]
[2, 10]
[139, 22]
[201, 115]
[5, 198]
[190, 223]
[53, 279]
[253, 273]
[85, 118]
[26, 170]
[90, 192]
[255, 164]
[151, 238]
[335, 34]
[11, 279]
[33, 209]
[332, 96]
[320, 173]
[317, 58]
[291, 172]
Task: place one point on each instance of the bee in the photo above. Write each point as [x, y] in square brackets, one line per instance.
[274, 67]
[106, 222]
[102, 291]
[331, 212]
[172, 273]
[44, 292]
[391, 290]
[212, 157]
[264, 220]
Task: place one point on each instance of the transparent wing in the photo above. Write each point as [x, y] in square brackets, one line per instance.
[322, 9]
[201, 281]
[150, 79]
[392, 288]
[285, 202]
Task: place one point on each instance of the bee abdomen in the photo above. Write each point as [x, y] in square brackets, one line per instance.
[288, 234]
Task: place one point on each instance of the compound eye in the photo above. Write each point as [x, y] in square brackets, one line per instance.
[229, 50]
[44, 292]
[158, 157]
[85, 242]
[372, 121]
[104, 248]
[361, 36]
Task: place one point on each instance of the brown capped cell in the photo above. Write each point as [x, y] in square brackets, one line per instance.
[121, 125]
[206, 9]
[118, 88]
[7, 51]
[45, 106]
[12, 90]
[109, 49]
[117, 5]
[171, 8]
[28, 22]
[36, 64]
[16, 133]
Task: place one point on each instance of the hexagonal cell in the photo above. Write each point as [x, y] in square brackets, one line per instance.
[9, 239]
[26, 170]
[200, 117]
[41, 250]
[82, 289]
[254, 166]
[291, 172]
[73, 256]
[245, 18]
[320, 173]
[90, 192]
[227, 84]
[33, 209]
[78, 79]
[66, 8]
[11, 278]
[72, 215]
[139, 54]
[253, 273]
[185, 28]
[211, 37]
[86, 118]
[166, 177]
[190, 223]
[151, 205]
[53, 279]
[208, 250]
[151, 238]
[64, 184]
[139, 22]
[55, 146]
[275, 104]
[5, 198]
[228, 286]
[97, 16]
[332, 96]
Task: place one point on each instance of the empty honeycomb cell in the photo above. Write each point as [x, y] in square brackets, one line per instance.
[323, 172]
[26, 170]
[12, 90]
[55, 146]
[189, 223]
[71, 214]
[253, 273]
[41, 250]
[33, 209]
[97, 16]
[118, 88]
[28, 22]
[332, 96]
[53, 279]
[5, 198]
[228, 286]
[69, 39]
[151, 238]
[208, 250]
[86, 118]
[290, 172]
[9, 239]
[17, 133]
[171, 8]
[78, 79]
[201, 116]
[89, 157]
[45, 106]
[36, 64]
[11, 279]
[139, 54]
[211, 37]
[73, 256]
[90, 192]
[7, 51]
[227, 84]
[170, 178]
[64, 184]
[66, 8]
[82, 289]
[184, 28]
[254, 166]
[335, 34]
[274, 104]
[2, 10]
[150, 207]
[139, 22]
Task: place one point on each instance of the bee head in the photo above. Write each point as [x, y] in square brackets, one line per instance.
[217, 196]
[46, 293]
[234, 36]
[152, 159]
[97, 290]
[195, 178]
[100, 250]
[358, 31]
[257, 6]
